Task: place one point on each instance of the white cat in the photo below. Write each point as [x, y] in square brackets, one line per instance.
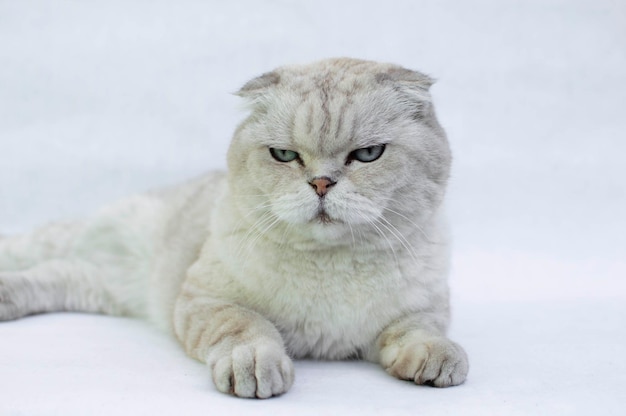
[326, 239]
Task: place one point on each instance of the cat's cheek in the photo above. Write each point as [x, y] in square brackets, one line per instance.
[298, 209]
[353, 209]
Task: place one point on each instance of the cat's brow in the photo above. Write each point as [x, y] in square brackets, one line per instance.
[279, 143]
[369, 141]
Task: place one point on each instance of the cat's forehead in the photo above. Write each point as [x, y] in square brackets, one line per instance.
[342, 118]
[336, 105]
[335, 122]
[332, 77]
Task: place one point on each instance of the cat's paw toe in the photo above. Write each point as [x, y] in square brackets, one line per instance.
[437, 361]
[260, 371]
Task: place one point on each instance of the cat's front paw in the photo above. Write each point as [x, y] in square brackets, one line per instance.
[260, 370]
[435, 361]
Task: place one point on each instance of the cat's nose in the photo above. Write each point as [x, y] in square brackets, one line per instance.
[321, 185]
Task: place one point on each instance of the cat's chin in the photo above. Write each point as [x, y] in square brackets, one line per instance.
[327, 231]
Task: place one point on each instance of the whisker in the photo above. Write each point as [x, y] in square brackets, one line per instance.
[253, 229]
[248, 195]
[352, 233]
[269, 222]
[420, 229]
[282, 243]
[399, 236]
[382, 234]
[260, 208]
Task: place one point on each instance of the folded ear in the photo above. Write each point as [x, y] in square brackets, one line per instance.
[406, 77]
[412, 87]
[258, 86]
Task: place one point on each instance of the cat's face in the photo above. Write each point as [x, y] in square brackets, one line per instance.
[339, 147]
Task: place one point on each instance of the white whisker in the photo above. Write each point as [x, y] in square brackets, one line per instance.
[382, 234]
[268, 223]
[420, 229]
[399, 236]
[252, 230]
[352, 233]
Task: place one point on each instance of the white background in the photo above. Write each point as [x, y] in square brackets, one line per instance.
[100, 99]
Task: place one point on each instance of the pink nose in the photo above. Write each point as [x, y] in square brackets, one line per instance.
[321, 185]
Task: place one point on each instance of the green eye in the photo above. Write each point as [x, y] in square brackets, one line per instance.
[366, 154]
[284, 155]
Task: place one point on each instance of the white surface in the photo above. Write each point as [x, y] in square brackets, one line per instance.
[527, 359]
[104, 98]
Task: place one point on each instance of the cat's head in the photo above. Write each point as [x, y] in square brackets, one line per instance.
[337, 146]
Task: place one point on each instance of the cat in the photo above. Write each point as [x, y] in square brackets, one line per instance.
[325, 239]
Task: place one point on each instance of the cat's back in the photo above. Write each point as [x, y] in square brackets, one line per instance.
[161, 215]
[145, 243]
[187, 211]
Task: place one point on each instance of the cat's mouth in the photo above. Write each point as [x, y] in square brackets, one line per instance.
[322, 217]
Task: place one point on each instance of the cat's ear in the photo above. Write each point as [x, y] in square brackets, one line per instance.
[257, 87]
[406, 77]
[413, 86]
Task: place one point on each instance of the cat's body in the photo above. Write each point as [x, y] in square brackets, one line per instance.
[326, 239]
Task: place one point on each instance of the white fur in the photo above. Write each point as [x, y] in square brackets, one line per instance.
[243, 268]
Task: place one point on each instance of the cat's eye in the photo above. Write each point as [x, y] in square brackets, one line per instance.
[284, 155]
[366, 154]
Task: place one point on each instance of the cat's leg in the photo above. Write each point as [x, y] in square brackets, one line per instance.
[22, 252]
[54, 286]
[244, 351]
[410, 349]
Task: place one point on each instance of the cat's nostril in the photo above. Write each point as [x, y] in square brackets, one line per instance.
[322, 184]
